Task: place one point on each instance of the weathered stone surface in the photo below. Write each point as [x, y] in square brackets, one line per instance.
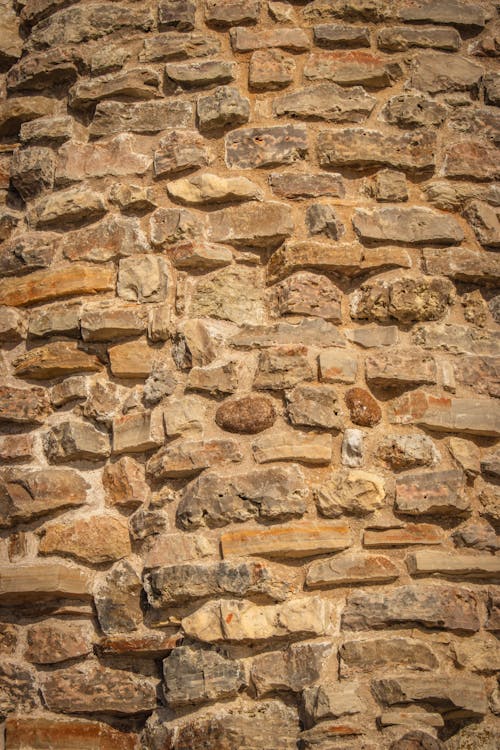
[232, 294]
[39, 733]
[248, 40]
[61, 319]
[132, 198]
[298, 185]
[485, 222]
[177, 14]
[24, 405]
[323, 220]
[463, 264]
[306, 333]
[442, 607]
[195, 256]
[66, 208]
[307, 293]
[433, 493]
[363, 408]
[114, 237]
[407, 451]
[270, 70]
[50, 642]
[452, 12]
[28, 494]
[188, 458]
[350, 569]
[467, 696]
[96, 539]
[355, 492]
[389, 186]
[210, 188]
[471, 160]
[314, 406]
[269, 725]
[48, 284]
[217, 379]
[176, 584]
[27, 252]
[198, 676]
[17, 687]
[330, 700]
[138, 431]
[352, 452]
[55, 360]
[405, 299]
[251, 148]
[463, 566]
[39, 582]
[224, 108]
[282, 367]
[149, 644]
[472, 416]
[241, 621]
[142, 278]
[231, 12]
[15, 448]
[180, 150]
[401, 38]
[436, 71]
[474, 736]
[407, 367]
[361, 149]
[260, 225]
[75, 441]
[412, 226]
[249, 415]
[333, 35]
[170, 226]
[287, 542]
[291, 670]
[352, 10]
[337, 366]
[90, 688]
[290, 445]
[275, 493]
[140, 117]
[49, 130]
[352, 69]
[184, 416]
[115, 158]
[326, 101]
[204, 73]
[457, 339]
[44, 70]
[11, 45]
[135, 83]
[15, 111]
[117, 599]
[418, 740]
[32, 171]
[477, 533]
[178, 46]
[133, 359]
[112, 321]
[124, 483]
[381, 653]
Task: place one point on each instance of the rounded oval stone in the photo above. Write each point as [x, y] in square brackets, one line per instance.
[363, 408]
[249, 415]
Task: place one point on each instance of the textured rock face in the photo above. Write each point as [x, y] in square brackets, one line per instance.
[249, 364]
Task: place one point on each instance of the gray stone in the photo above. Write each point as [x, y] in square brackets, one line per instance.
[442, 607]
[381, 653]
[432, 493]
[76, 441]
[251, 148]
[412, 226]
[180, 150]
[406, 367]
[226, 13]
[276, 493]
[414, 111]
[352, 569]
[291, 670]
[401, 38]
[260, 225]
[314, 406]
[140, 117]
[389, 186]
[170, 226]
[177, 14]
[330, 701]
[326, 101]
[336, 35]
[435, 72]
[17, 688]
[200, 73]
[299, 185]
[135, 83]
[32, 171]
[321, 219]
[199, 676]
[407, 451]
[117, 600]
[306, 332]
[450, 12]
[224, 108]
[466, 695]
[186, 458]
[282, 367]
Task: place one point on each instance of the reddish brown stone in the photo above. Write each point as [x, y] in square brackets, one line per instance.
[24, 405]
[51, 642]
[248, 415]
[55, 360]
[69, 734]
[363, 408]
[124, 483]
[151, 644]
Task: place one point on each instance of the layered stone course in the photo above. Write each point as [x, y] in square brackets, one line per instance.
[249, 361]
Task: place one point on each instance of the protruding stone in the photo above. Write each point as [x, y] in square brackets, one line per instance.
[188, 458]
[306, 293]
[76, 441]
[175, 45]
[351, 569]
[49, 284]
[131, 360]
[43, 581]
[251, 148]
[180, 150]
[96, 539]
[412, 226]
[260, 225]
[216, 379]
[376, 653]
[458, 73]
[291, 670]
[140, 117]
[363, 408]
[138, 431]
[224, 108]
[356, 492]
[124, 483]
[326, 101]
[445, 414]
[287, 542]
[461, 566]
[314, 406]
[248, 40]
[15, 111]
[449, 12]
[66, 208]
[242, 622]
[135, 83]
[210, 188]
[407, 451]
[193, 677]
[401, 38]
[29, 494]
[225, 13]
[177, 14]
[32, 171]
[250, 414]
[270, 70]
[117, 600]
[405, 299]
[23, 405]
[51, 642]
[40, 733]
[442, 607]
[338, 35]
[233, 294]
[351, 68]
[330, 700]
[291, 445]
[204, 73]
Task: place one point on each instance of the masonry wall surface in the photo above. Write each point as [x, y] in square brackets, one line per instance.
[249, 375]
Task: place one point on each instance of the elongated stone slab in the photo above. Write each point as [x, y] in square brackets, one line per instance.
[67, 734]
[301, 540]
[67, 281]
[32, 583]
[463, 566]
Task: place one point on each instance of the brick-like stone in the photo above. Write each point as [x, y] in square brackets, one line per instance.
[124, 483]
[40, 582]
[432, 493]
[337, 366]
[363, 149]
[117, 157]
[401, 38]
[180, 150]
[355, 492]
[194, 676]
[412, 226]
[204, 73]
[51, 642]
[434, 72]
[66, 208]
[290, 39]
[96, 539]
[380, 653]
[74, 440]
[338, 35]
[138, 431]
[29, 494]
[290, 445]
[298, 185]
[177, 14]
[406, 367]
[54, 360]
[16, 448]
[330, 700]
[412, 533]
[449, 12]
[90, 687]
[351, 569]
[314, 406]
[296, 336]
[39, 733]
[352, 68]
[251, 148]
[48, 284]
[140, 117]
[472, 416]
[260, 225]
[442, 607]
[217, 379]
[32, 171]
[287, 542]
[467, 696]
[461, 566]
[188, 458]
[471, 160]
[224, 13]
[133, 360]
[270, 70]
[326, 101]
[463, 264]
[242, 621]
[226, 107]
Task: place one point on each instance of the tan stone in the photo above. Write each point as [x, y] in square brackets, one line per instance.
[68, 281]
[215, 379]
[136, 83]
[241, 621]
[79, 161]
[15, 111]
[412, 533]
[453, 565]
[337, 366]
[66, 208]
[345, 570]
[406, 367]
[314, 406]
[96, 539]
[232, 294]
[138, 431]
[24, 405]
[50, 642]
[248, 415]
[288, 542]
[189, 457]
[124, 483]
[382, 652]
[259, 225]
[113, 237]
[292, 669]
[248, 40]
[111, 320]
[212, 188]
[14, 448]
[291, 445]
[117, 599]
[357, 492]
[74, 440]
[134, 359]
[281, 367]
[38, 582]
[66, 734]
[307, 293]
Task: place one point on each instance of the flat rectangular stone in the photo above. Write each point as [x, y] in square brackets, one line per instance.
[299, 185]
[57, 359]
[473, 416]
[415, 533]
[23, 583]
[67, 281]
[252, 148]
[290, 542]
[140, 117]
[187, 458]
[400, 368]
[24, 405]
[453, 565]
[288, 38]
[433, 492]
[308, 448]
[349, 569]
[138, 431]
[362, 149]
[259, 225]
[174, 45]
[23, 733]
[461, 697]
[411, 226]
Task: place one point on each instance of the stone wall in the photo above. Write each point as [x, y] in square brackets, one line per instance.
[249, 376]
